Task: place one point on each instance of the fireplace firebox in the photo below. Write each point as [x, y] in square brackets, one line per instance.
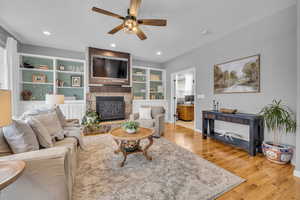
[110, 108]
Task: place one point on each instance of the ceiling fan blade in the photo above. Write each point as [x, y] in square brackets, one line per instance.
[105, 12]
[141, 34]
[134, 7]
[153, 22]
[116, 29]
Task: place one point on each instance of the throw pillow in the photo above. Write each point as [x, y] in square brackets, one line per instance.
[61, 117]
[4, 148]
[20, 137]
[41, 132]
[145, 113]
[51, 122]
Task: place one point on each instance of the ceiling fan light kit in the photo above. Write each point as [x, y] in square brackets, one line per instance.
[130, 23]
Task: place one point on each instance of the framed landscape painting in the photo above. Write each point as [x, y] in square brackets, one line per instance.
[238, 76]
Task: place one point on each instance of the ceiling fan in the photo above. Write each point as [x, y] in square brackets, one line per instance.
[130, 22]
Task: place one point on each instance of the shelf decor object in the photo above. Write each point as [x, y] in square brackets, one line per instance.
[39, 78]
[76, 81]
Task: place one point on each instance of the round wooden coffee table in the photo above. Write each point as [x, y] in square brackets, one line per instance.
[10, 171]
[130, 143]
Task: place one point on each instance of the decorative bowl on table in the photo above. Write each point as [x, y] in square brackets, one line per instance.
[130, 127]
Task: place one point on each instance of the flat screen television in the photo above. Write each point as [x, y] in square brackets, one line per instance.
[103, 67]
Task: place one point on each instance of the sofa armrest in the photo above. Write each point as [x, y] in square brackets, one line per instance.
[134, 116]
[46, 176]
[159, 125]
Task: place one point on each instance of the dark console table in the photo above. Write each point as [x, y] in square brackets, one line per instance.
[256, 129]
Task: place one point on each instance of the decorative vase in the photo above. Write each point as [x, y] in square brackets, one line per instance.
[280, 154]
[130, 131]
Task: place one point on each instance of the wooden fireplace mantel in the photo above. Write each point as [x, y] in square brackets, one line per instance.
[110, 88]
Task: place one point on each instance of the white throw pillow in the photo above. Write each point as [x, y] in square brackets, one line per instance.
[51, 122]
[20, 137]
[41, 132]
[145, 113]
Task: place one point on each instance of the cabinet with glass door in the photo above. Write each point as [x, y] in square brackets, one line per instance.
[148, 83]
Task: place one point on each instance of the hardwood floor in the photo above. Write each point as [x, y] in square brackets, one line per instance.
[265, 180]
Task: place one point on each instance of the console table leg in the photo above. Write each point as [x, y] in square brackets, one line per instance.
[204, 128]
[252, 142]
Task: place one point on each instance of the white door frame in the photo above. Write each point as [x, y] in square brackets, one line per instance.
[173, 76]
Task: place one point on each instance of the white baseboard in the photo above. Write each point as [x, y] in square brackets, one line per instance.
[297, 173]
[198, 130]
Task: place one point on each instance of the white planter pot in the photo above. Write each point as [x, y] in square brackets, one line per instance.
[130, 131]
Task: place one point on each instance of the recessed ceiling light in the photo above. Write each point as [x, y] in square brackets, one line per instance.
[113, 45]
[158, 53]
[46, 33]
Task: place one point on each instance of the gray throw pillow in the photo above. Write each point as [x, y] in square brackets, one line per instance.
[51, 122]
[61, 116]
[20, 137]
[41, 132]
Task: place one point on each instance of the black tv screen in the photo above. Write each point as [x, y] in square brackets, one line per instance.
[109, 68]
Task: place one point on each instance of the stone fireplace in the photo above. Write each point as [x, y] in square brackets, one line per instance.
[113, 105]
[109, 96]
[110, 108]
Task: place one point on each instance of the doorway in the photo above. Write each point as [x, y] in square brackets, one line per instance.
[183, 97]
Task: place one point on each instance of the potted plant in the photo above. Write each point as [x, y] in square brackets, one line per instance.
[278, 119]
[91, 121]
[130, 126]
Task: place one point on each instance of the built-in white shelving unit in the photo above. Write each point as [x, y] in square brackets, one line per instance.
[51, 68]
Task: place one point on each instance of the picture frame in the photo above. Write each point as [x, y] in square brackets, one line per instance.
[238, 76]
[76, 81]
[39, 78]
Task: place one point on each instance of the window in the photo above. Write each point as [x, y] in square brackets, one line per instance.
[2, 67]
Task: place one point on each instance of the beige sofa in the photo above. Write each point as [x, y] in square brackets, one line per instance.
[157, 122]
[49, 173]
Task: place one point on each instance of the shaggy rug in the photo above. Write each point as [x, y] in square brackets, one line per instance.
[173, 174]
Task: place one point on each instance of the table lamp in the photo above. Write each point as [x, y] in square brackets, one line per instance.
[5, 108]
[55, 99]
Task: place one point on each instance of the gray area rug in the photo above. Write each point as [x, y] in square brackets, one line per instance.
[173, 174]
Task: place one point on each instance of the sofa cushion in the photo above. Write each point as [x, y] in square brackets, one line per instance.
[145, 113]
[4, 148]
[51, 122]
[149, 123]
[41, 132]
[20, 137]
[157, 110]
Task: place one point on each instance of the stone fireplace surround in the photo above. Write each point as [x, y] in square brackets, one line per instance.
[91, 100]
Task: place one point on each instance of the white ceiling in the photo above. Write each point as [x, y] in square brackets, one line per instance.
[74, 26]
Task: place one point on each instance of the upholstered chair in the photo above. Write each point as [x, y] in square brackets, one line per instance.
[157, 122]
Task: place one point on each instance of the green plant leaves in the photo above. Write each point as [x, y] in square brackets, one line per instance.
[279, 117]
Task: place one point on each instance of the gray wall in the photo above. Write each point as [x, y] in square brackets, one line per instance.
[274, 38]
[48, 51]
[298, 91]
